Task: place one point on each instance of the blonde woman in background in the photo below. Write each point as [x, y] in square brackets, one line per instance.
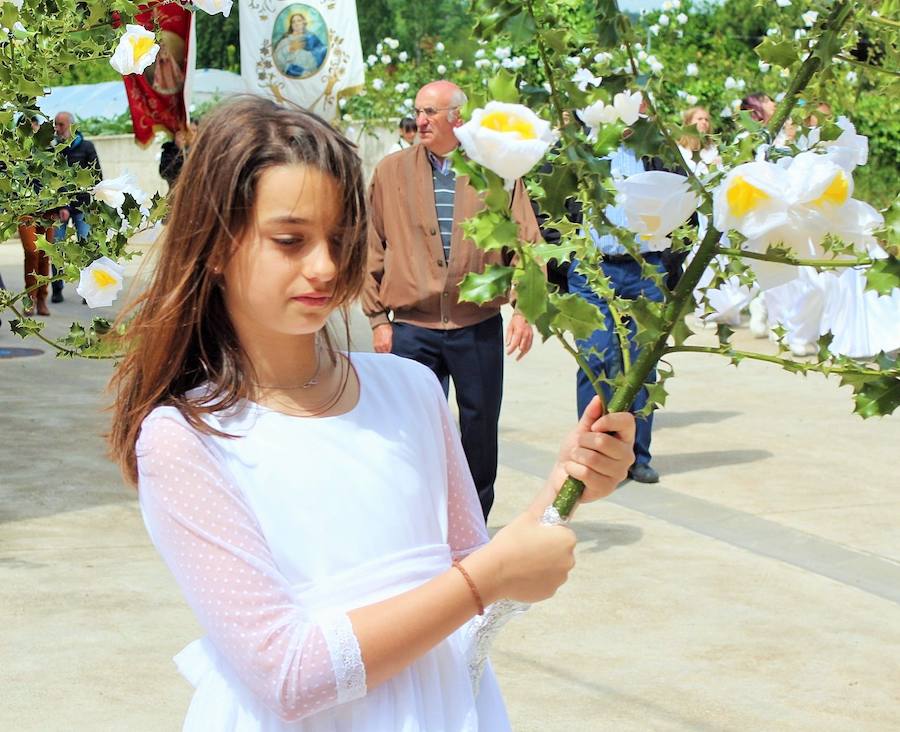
[698, 150]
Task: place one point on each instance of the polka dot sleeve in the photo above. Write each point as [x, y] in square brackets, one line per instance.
[465, 521]
[211, 541]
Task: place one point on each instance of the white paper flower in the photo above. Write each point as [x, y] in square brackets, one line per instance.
[809, 18]
[100, 282]
[667, 5]
[479, 53]
[583, 77]
[113, 190]
[654, 29]
[848, 150]
[385, 59]
[663, 19]
[851, 77]
[655, 66]
[602, 57]
[573, 61]
[482, 63]
[681, 18]
[458, 63]
[502, 52]
[441, 69]
[403, 57]
[439, 47]
[598, 114]
[628, 106]
[752, 200]
[782, 3]
[377, 84]
[137, 49]
[764, 67]
[691, 70]
[508, 139]
[392, 43]
[372, 60]
[691, 99]
[655, 204]
[214, 7]
[726, 112]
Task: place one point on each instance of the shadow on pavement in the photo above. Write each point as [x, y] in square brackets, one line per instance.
[685, 462]
[664, 418]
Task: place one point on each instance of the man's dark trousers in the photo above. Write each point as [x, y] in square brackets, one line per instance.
[473, 357]
[603, 346]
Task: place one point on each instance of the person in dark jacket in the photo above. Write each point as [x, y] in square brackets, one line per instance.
[79, 152]
[173, 153]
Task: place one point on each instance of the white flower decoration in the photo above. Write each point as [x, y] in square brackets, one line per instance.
[441, 69]
[482, 63]
[479, 53]
[377, 84]
[691, 70]
[851, 77]
[100, 282]
[403, 57]
[681, 18]
[691, 99]
[655, 204]
[654, 29]
[458, 63]
[508, 139]
[372, 60]
[783, 3]
[385, 59]
[663, 19]
[583, 78]
[809, 18]
[214, 7]
[628, 106]
[439, 47]
[113, 191]
[764, 67]
[137, 49]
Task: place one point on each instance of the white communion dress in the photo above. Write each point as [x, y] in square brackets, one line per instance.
[274, 536]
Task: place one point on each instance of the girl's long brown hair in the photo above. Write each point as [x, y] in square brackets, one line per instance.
[693, 142]
[180, 335]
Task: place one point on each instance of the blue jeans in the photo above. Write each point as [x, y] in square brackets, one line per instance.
[627, 281]
[81, 230]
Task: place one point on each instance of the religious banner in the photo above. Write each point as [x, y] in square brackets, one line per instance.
[156, 97]
[305, 52]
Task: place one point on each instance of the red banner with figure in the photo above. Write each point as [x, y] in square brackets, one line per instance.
[156, 97]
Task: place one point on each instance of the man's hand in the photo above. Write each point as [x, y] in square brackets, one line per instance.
[519, 335]
[383, 338]
[64, 215]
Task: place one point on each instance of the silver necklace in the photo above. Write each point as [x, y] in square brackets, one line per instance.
[311, 381]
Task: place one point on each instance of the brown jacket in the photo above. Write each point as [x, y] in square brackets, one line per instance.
[407, 275]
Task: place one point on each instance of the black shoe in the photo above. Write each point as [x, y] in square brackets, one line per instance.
[643, 473]
[57, 296]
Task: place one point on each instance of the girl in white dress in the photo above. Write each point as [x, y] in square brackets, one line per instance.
[315, 507]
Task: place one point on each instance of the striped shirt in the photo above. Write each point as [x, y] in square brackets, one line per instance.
[623, 163]
[444, 180]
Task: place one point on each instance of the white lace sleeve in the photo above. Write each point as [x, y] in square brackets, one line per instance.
[465, 521]
[210, 539]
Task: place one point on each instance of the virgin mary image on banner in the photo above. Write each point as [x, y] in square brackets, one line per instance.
[300, 41]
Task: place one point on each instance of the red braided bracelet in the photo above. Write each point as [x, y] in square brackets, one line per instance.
[468, 579]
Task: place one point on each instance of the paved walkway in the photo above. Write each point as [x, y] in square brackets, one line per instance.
[757, 587]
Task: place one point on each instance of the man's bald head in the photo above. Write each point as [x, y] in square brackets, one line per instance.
[62, 123]
[438, 104]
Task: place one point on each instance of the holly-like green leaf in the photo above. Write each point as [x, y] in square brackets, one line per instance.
[491, 230]
[781, 53]
[876, 396]
[576, 315]
[883, 276]
[531, 291]
[24, 327]
[482, 287]
[558, 186]
[681, 332]
[503, 87]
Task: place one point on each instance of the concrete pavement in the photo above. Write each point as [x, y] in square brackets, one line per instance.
[757, 587]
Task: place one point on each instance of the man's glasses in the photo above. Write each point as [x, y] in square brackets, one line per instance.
[431, 112]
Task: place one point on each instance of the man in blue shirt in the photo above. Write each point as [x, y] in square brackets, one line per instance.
[602, 349]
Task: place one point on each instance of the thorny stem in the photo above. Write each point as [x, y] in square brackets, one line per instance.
[752, 355]
[54, 344]
[817, 263]
[870, 67]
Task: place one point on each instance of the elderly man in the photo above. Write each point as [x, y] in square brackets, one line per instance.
[80, 152]
[417, 258]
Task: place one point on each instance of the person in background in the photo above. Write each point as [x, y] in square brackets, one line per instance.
[173, 152]
[762, 109]
[408, 131]
[81, 152]
[698, 150]
[418, 255]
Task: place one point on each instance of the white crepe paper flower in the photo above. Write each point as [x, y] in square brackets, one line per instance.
[628, 106]
[654, 29]
[137, 49]
[441, 69]
[573, 61]
[112, 191]
[783, 3]
[764, 67]
[848, 150]
[439, 47]
[458, 63]
[655, 65]
[598, 114]
[508, 139]
[583, 78]
[691, 70]
[392, 43]
[663, 19]
[385, 59]
[377, 84]
[214, 7]
[655, 204]
[726, 112]
[482, 63]
[691, 99]
[809, 18]
[479, 53]
[100, 282]
[851, 77]
[602, 57]
[403, 57]
[667, 5]
[681, 18]
[501, 52]
[372, 59]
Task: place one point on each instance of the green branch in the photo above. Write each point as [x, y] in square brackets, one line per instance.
[817, 263]
[548, 69]
[789, 363]
[870, 67]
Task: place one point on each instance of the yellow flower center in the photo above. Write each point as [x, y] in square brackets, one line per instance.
[140, 46]
[651, 222]
[505, 122]
[837, 192]
[102, 278]
[743, 198]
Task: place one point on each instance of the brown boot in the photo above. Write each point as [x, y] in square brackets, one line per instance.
[41, 302]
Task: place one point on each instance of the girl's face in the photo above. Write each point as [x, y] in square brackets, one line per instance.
[280, 278]
[700, 119]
